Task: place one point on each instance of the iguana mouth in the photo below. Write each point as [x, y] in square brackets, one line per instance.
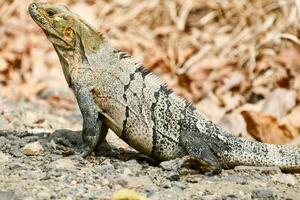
[37, 12]
[36, 16]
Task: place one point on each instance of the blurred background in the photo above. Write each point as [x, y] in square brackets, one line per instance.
[238, 61]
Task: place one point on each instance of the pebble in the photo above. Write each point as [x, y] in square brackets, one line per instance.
[170, 165]
[15, 124]
[179, 184]
[139, 182]
[4, 158]
[3, 142]
[17, 166]
[229, 197]
[106, 170]
[262, 170]
[173, 176]
[127, 171]
[105, 182]
[7, 195]
[288, 179]
[63, 163]
[234, 178]
[73, 182]
[166, 184]
[43, 195]
[262, 194]
[32, 149]
[15, 150]
[93, 179]
[3, 122]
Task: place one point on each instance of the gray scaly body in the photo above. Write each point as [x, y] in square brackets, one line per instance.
[114, 91]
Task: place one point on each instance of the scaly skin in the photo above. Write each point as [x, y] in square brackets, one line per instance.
[114, 91]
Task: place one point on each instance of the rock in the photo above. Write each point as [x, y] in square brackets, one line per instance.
[173, 176]
[140, 182]
[126, 194]
[105, 182]
[192, 179]
[17, 166]
[15, 150]
[32, 149]
[127, 171]
[166, 184]
[230, 197]
[288, 179]
[15, 124]
[262, 194]
[171, 193]
[3, 122]
[7, 195]
[35, 174]
[106, 171]
[63, 163]
[3, 142]
[242, 180]
[43, 195]
[170, 165]
[262, 170]
[4, 158]
[179, 184]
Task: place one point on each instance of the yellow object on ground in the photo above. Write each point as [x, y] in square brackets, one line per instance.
[126, 194]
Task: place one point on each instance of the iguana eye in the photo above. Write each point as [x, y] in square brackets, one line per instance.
[50, 13]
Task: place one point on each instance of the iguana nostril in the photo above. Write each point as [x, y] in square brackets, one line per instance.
[32, 6]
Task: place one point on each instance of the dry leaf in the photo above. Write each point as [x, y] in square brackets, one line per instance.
[231, 101]
[210, 109]
[85, 11]
[293, 118]
[265, 128]
[208, 63]
[3, 64]
[234, 80]
[295, 142]
[235, 124]
[279, 103]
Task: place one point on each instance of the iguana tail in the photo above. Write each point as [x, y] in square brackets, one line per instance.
[242, 151]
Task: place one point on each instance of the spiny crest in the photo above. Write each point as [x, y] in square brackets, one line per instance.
[156, 79]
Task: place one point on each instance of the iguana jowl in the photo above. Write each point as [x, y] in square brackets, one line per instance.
[114, 91]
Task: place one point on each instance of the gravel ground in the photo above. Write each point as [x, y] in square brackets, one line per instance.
[40, 159]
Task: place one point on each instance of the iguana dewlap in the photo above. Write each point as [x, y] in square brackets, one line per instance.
[114, 91]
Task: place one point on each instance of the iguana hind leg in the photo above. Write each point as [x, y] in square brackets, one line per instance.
[199, 153]
[94, 130]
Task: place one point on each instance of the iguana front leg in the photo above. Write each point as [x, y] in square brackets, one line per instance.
[94, 130]
[199, 153]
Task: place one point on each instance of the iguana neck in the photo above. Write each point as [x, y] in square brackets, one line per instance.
[88, 44]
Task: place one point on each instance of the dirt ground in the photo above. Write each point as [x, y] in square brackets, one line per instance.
[53, 168]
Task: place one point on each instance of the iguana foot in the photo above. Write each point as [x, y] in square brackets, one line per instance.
[89, 144]
[189, 165]
[202, 166]
[199, 154]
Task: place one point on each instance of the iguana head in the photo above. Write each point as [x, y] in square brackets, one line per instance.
[73, 39]
[64, 28]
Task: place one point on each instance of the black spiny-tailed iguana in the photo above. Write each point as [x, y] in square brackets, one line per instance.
[114, 91]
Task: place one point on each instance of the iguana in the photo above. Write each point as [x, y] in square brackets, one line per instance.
[114, 91]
